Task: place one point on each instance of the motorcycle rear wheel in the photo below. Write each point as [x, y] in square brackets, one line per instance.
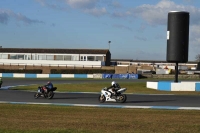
[121, 98]
[102, 98]
[50, 94]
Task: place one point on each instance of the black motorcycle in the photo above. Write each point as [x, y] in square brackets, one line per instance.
[44, 92]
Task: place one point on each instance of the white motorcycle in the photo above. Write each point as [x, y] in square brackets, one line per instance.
[108, 95]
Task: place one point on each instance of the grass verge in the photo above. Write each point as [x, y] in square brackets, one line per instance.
[58, 119]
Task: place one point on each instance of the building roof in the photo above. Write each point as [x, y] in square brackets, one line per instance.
[61, 51]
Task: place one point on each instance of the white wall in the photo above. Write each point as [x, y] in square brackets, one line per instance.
[183, 86]
[152, 85]
[51, 63]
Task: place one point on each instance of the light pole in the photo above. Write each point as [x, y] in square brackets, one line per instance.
[109, 44]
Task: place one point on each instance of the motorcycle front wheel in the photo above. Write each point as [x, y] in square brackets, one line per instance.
[36, 95]
[102, 98]
[121, 98]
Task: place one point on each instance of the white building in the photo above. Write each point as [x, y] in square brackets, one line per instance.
[39, 56]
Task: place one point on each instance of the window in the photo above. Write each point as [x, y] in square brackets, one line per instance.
[90, 58]
[20, 57]
[27, 57]
[83, 58]
[41, 57]
[99, 58]
[34, 57]
[13, 56]
[50, 57]
[4, 56]
[67, 57]
[75, 58]
[59, 57]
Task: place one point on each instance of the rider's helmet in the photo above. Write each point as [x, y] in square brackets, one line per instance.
[113, 82]
[48, 82]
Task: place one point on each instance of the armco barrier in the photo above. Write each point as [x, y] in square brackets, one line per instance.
[172, 86]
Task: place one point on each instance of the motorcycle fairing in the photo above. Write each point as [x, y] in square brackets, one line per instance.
[108, 94]
[122, 90]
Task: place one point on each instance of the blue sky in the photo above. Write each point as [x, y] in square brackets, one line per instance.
[137, 29]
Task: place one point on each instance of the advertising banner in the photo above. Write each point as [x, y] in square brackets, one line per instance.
[123, 76]
[106, 76]
[97, 76]
[120, 76]
[133, 76]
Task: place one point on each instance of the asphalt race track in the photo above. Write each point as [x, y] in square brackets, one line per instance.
[22, 81]
[91, 99]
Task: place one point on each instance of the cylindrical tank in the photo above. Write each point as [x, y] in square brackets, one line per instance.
[178, 36]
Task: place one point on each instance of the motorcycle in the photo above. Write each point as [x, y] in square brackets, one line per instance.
[43, 92]
[108, 95]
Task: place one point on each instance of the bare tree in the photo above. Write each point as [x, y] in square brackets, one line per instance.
[197, 57]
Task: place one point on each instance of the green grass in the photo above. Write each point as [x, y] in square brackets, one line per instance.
[63, 119]
[132, 87]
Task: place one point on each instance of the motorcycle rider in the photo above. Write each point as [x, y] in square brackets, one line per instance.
[49, 85]
[115, 86]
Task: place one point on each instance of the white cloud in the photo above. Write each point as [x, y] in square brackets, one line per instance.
[55, 6]
[195, 35]
[120, 14]
[154, 14]
[87, 6]
[116, 4]
[96, 12]
[157, 14]
[82, 4]
[6, 14]
[42, 2]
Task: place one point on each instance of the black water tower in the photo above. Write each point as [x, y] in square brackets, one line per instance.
[177, 38]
